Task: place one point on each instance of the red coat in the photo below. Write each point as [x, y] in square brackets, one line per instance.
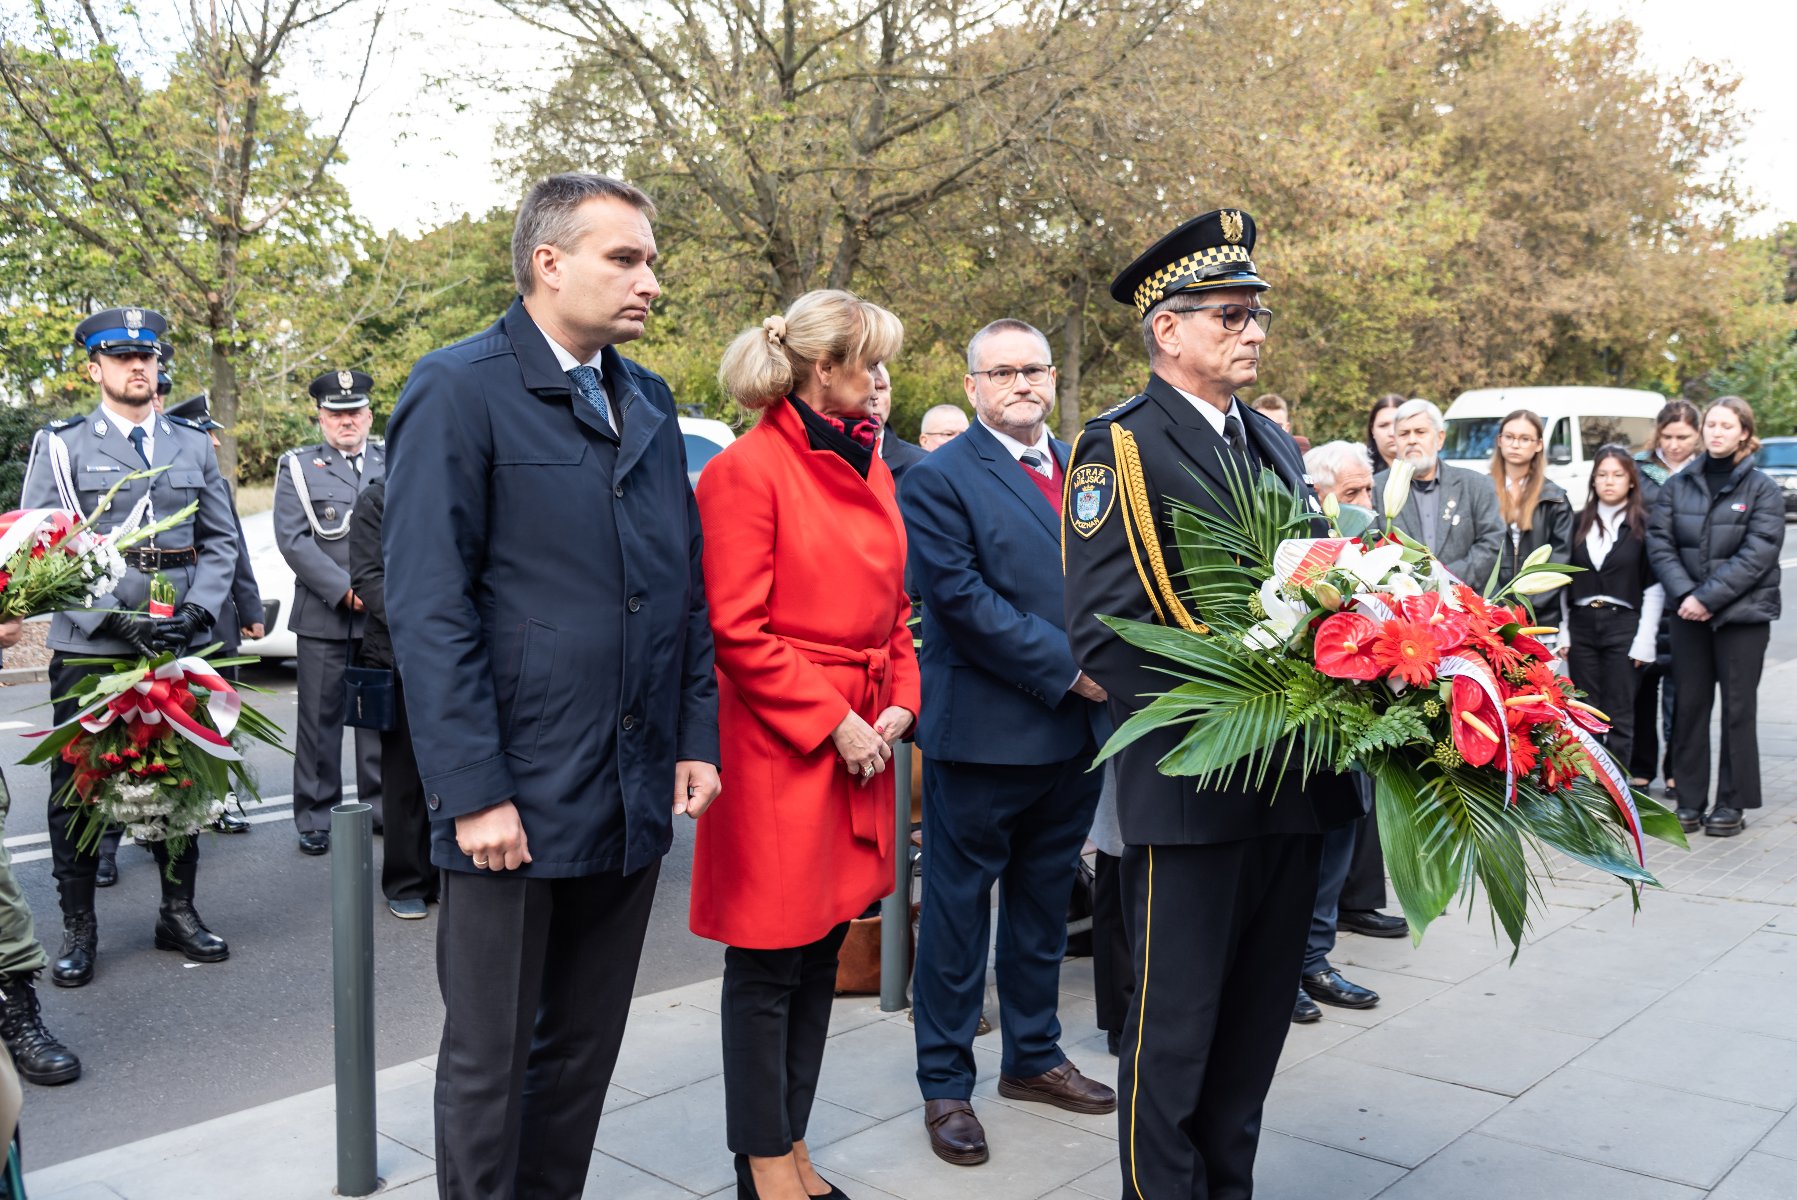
[804, 574]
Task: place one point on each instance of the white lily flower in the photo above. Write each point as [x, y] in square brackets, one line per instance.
[1281, 620]
[1397, 487]
[1538, 555]
[1332, 508]
[1370, 566]
[1537, 582]
[1403, 586]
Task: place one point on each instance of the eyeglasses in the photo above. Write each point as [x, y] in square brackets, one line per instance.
[1035, 375]
[1235, 317]
[1520, 439]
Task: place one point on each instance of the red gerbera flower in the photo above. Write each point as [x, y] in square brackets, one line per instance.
[1445, 625]
[1407, 650]
[1473, 716]
[1344, 647]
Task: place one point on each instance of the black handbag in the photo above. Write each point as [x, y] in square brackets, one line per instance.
[368, 697]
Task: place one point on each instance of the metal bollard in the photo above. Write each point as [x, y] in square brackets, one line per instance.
[352, 994]
[895, 910]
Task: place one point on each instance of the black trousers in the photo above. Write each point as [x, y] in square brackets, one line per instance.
[1655, 700]
[318, 737]
[406, 870]
[1113, 965]
[1332, 874]
[1364, 889]
[776, 1018]
[1703, 660]
[1601, 668]
[536, 976]
[74, 868]
[1219, 937]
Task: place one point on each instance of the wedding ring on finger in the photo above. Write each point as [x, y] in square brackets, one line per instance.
[481, 863]
[867, 769]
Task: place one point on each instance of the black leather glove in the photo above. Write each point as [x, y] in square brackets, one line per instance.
[137, 632]
[177, 632]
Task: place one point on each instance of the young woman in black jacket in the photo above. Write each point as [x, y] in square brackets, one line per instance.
[1714, 538]
[1535, 509]
[1615, 604]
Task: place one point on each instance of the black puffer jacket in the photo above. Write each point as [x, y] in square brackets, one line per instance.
[1723, 549]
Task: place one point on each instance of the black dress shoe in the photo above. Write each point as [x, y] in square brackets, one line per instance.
[230, 822]
[1305, 1011]
[745, 1184]
[106, 871]
[1724, 822]
[178, 927]
[80, 946]
[1689, 819]
[40, 1058]
[315, 843]
[1328, 986]
[1371, 923]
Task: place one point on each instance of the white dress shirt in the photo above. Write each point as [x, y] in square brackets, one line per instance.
[1016, 448]
[568, 362]
[1599, 540]
[148, 425]
[1211, 413]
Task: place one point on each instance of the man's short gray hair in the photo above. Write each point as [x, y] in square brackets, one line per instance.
[1324, 464]
[1178, 302]
[934, 409]
[1411, 408]
[1005, 325]
[548, 216]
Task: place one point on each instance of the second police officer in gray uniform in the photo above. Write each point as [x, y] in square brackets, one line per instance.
[315, 495]
[74, 462]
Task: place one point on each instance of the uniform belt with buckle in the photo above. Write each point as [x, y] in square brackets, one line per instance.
[153, 559]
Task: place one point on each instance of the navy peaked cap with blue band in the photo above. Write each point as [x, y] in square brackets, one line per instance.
[123, 331]
[1207, 252]
[340, 391]
[197, 409]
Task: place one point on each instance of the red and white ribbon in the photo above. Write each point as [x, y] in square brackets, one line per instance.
[151, 700]
[19, 527]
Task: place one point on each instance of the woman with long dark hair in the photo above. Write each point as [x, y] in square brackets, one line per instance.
[1615, 601]
[1381, 430]
[1675, 443]
[1535, 509]
[1714, 538]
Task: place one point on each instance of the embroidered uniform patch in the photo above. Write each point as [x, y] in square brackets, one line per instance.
[1093, 489]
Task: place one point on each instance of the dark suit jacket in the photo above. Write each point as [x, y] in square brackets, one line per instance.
[900, 456]
[1178, 449]
[368, 575]
[986, 558]
[552, 632]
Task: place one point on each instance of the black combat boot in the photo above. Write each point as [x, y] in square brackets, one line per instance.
[40, 1058]
[178, 927]
[80, 946]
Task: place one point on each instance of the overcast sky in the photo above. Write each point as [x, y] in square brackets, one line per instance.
[421, 152]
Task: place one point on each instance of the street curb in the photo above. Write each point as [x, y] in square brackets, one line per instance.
[11, 675]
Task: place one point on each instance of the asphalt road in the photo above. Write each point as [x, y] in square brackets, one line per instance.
[165, 1043]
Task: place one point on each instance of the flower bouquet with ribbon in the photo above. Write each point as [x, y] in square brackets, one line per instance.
[53, 559]
[154, 743]
[1364, 654]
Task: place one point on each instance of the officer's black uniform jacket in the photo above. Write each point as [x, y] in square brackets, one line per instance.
[546, 601]
[1114, 570]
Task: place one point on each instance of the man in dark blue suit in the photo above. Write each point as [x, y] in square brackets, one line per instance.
[1009, 728]
[543, 569]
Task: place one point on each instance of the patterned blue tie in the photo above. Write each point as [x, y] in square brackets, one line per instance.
[586, 382]
[137, 441]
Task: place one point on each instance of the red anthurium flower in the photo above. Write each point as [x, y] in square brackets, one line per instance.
[1408, 651]
[1344, 647]
[1475, 721]
[1447, 626]
[1532, 648]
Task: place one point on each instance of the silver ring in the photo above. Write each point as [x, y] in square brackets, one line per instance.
[480, 862]
[867, 769]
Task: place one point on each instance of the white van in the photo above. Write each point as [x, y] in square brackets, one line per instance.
[1578, 421]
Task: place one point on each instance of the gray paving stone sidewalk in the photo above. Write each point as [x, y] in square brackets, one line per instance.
[1636, 1056]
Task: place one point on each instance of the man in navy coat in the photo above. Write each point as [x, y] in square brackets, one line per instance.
[1009, 728]
[543, 571]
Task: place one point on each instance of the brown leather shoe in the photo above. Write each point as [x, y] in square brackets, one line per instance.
[955, 1133]
[1063, 1087]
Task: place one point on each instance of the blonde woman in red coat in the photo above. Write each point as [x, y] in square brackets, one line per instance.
[804, 571]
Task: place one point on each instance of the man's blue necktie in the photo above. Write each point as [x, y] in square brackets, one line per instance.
[586, 382]
[137, 441]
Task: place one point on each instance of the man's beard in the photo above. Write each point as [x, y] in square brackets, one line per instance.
[127, 401]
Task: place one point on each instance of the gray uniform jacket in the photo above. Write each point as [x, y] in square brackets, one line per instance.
[1471, 530]
[99, 455]
[315, 543]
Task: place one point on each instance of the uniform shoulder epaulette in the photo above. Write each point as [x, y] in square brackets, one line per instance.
[1117, 410]
[62, 423]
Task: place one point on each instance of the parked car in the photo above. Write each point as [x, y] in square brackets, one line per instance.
[1578, 420]
[1778, 458]
[704, 438]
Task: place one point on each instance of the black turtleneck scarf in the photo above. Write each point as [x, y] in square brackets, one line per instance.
[1717, 470]
[826, 434]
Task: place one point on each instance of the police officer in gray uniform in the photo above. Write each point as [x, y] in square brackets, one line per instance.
[74, 462]
[315, 495]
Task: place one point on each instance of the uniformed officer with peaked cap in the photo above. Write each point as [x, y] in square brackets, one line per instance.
[1220, 879]
[74, 463]
[316, 488]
